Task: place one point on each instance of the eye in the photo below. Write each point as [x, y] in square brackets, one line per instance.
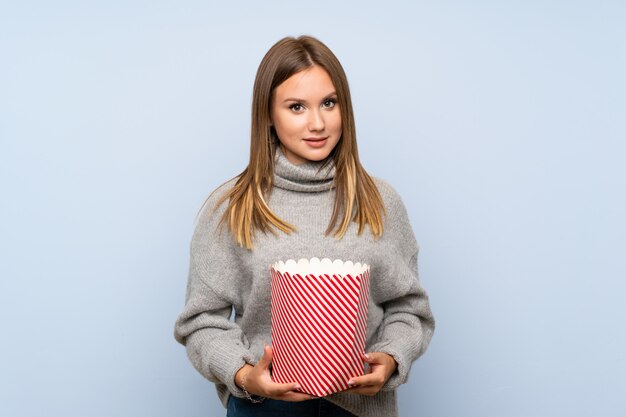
[296, 107]
[330, 103]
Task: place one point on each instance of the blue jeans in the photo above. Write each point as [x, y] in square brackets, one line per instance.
[317, 407]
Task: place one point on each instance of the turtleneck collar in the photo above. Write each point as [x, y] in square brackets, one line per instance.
[307, 177]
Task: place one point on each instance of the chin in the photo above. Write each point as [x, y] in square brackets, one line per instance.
[316, 156]
[305, 153]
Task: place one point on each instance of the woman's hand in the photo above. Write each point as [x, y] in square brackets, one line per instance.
[381, 367]
[259, 381]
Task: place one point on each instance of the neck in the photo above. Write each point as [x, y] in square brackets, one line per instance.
[309, 176]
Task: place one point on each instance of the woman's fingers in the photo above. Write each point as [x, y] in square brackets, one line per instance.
[296, 396]
[267, 357]
[287, 392]
[380, 367]
[275, 389]
[271, 389]
[375, 378]
[368, 384]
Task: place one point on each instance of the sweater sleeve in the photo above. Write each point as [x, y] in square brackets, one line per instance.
[408, 323]
[216, 346]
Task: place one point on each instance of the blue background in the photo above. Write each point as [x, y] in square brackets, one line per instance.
[501, 124]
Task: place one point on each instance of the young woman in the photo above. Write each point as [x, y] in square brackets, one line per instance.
[303, 194]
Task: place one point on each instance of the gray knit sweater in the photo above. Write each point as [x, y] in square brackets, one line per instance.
[223, 276]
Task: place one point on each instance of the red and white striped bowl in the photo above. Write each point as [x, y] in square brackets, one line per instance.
[319, 322]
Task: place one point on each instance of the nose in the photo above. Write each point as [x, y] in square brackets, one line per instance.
[316, 120]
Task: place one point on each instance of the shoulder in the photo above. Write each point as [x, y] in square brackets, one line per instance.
[397, 224]
[210, 214]
[391, 198]
[210, 206]
[211, 238]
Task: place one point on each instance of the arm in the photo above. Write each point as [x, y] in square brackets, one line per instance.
[408, 323]
[216, 347]
[407, 329]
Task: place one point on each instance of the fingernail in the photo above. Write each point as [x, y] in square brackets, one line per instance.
[367, 356]
[351, 382]
[297, 387]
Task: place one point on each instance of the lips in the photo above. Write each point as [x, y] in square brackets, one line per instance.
[316, 143]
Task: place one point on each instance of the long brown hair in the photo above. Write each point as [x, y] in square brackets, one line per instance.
[357, 197]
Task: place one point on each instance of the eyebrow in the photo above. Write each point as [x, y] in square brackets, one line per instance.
[334, 93]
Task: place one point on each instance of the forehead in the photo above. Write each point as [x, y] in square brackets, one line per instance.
[313, 81]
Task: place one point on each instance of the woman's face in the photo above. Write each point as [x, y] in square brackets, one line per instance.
[306, 115]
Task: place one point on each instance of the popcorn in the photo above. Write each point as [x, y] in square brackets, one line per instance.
[319, 322]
